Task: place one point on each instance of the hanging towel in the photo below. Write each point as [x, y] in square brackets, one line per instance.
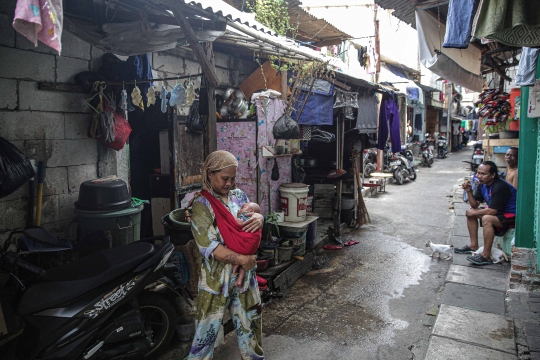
[459, 23]
[236, 239]
[511, 22]
[40, 20]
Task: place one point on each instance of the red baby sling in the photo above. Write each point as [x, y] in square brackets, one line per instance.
[236, 239]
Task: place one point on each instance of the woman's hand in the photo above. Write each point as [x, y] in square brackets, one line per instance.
[254, 223]
[249, 261]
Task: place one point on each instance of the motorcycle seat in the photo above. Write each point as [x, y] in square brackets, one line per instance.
[65, 283]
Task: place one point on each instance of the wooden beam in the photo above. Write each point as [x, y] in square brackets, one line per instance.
[210, 132]
[208, 68]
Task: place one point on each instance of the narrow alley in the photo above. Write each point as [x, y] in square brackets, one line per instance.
[370, 301]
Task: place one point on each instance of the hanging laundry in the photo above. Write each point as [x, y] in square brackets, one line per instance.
[151, 96]
[459, 23]
[511, 22]
[123, 100]
[190, 93]
[526, 74]
[178, 95]
[389, 123]
[373, 58]
[107, 126]
[163, 97]
[137, 98]
[40, 20]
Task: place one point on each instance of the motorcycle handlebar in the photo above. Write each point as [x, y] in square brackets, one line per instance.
[14, 259]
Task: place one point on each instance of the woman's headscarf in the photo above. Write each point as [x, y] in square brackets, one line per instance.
[218, 160]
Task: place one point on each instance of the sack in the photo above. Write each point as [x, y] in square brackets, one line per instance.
[15, 168]
[195, 123]
[286, 128]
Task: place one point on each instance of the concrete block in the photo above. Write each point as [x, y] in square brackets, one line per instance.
[172, 65]
[13, 214]
[79, 174]
[7, 33]
[58, 207]
[72, 152]
[223, 60]
[474, 298]
[95, 58]
[76, 126]
[8, 100]
[21, 64]
[74, 47]
[35, 150]
[23, 125]
[532, 329]
[112, 162]
[192, 67]
[56, 181]
[534, 342]
[535, 355]
[30, 98]
[447, 349]
[474, 276]
[21, 42]
[67, 68]
[475, 327]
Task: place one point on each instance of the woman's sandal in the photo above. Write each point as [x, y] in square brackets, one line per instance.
[352, 242]
[332, 247]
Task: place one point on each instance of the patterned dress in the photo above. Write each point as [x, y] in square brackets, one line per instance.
[217, 291]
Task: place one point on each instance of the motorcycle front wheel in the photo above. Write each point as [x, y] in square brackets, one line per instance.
[398, 176]
[440, 154]
[413, 175]
[159, 317]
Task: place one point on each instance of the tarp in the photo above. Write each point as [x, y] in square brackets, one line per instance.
[319, 109]
[458, 66]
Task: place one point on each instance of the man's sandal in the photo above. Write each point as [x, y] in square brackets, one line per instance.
[479, 260]
[464, 250]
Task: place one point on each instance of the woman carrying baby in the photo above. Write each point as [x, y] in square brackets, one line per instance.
[213, 229]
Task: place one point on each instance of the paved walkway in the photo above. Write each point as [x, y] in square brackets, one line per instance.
[480, 317]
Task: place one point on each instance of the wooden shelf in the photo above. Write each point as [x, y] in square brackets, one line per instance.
[503, 142]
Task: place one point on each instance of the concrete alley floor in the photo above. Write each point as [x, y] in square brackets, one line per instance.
[371, 300]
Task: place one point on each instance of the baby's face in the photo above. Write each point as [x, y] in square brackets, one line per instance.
[246, 208]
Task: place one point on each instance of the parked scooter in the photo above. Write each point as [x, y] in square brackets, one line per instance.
[427, 152]
[442, 144]
[117, 303]
[370, 162]
[400, 164]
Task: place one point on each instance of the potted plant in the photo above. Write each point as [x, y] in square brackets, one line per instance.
[270, 227]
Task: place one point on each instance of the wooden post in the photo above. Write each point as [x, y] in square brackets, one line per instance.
[377, 41]
[208, 67]
[284, 85]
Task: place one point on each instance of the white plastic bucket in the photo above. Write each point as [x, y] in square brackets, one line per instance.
[294, 201]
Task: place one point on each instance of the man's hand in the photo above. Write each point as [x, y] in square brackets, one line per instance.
[472, 212]
[254, 223]
[466, 186]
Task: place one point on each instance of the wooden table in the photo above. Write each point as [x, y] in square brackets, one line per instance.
[383, 176]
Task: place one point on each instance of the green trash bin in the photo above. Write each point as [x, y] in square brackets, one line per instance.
[124, 225]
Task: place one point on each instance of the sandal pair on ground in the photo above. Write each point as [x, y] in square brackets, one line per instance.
[475, 259]
[338, 247]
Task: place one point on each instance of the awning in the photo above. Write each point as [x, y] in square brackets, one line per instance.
[458, 66]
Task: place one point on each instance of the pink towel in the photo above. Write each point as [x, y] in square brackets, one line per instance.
[40, 20]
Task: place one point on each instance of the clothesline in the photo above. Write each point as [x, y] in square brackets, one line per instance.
[151, 80]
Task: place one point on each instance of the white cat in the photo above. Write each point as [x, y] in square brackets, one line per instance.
[441, 249]
[497, 255]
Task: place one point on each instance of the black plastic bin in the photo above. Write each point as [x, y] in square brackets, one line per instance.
[180, 234]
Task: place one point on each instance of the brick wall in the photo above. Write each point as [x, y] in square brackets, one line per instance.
[524, 270]
[52, 126]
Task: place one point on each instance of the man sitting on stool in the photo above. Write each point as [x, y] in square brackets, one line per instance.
[496, 219]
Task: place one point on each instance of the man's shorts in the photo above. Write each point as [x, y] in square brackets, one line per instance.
[507, 221]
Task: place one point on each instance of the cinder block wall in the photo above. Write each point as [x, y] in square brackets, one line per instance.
[52, 126]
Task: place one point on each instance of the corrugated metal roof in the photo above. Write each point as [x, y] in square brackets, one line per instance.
[221, 8]
[404, 9]
[313, 29]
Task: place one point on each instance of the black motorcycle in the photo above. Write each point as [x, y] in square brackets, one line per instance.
[442, 145]
[118, 303]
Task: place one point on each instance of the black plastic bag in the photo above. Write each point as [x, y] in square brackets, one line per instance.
[15, 168]
[286, 128]
[195, 122]
[275, 171]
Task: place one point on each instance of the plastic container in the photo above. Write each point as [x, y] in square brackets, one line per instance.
[273, 251]
[124, 226]
[180, 233]
[107, 194]
[508, 134]
[289, 232]
[293, 201]
[285, 253]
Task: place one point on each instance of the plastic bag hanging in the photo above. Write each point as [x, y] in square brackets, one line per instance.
[178, 95]
[275, 171]
[163, 97]
[190, 93]
[286, 128]
[15, 168]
